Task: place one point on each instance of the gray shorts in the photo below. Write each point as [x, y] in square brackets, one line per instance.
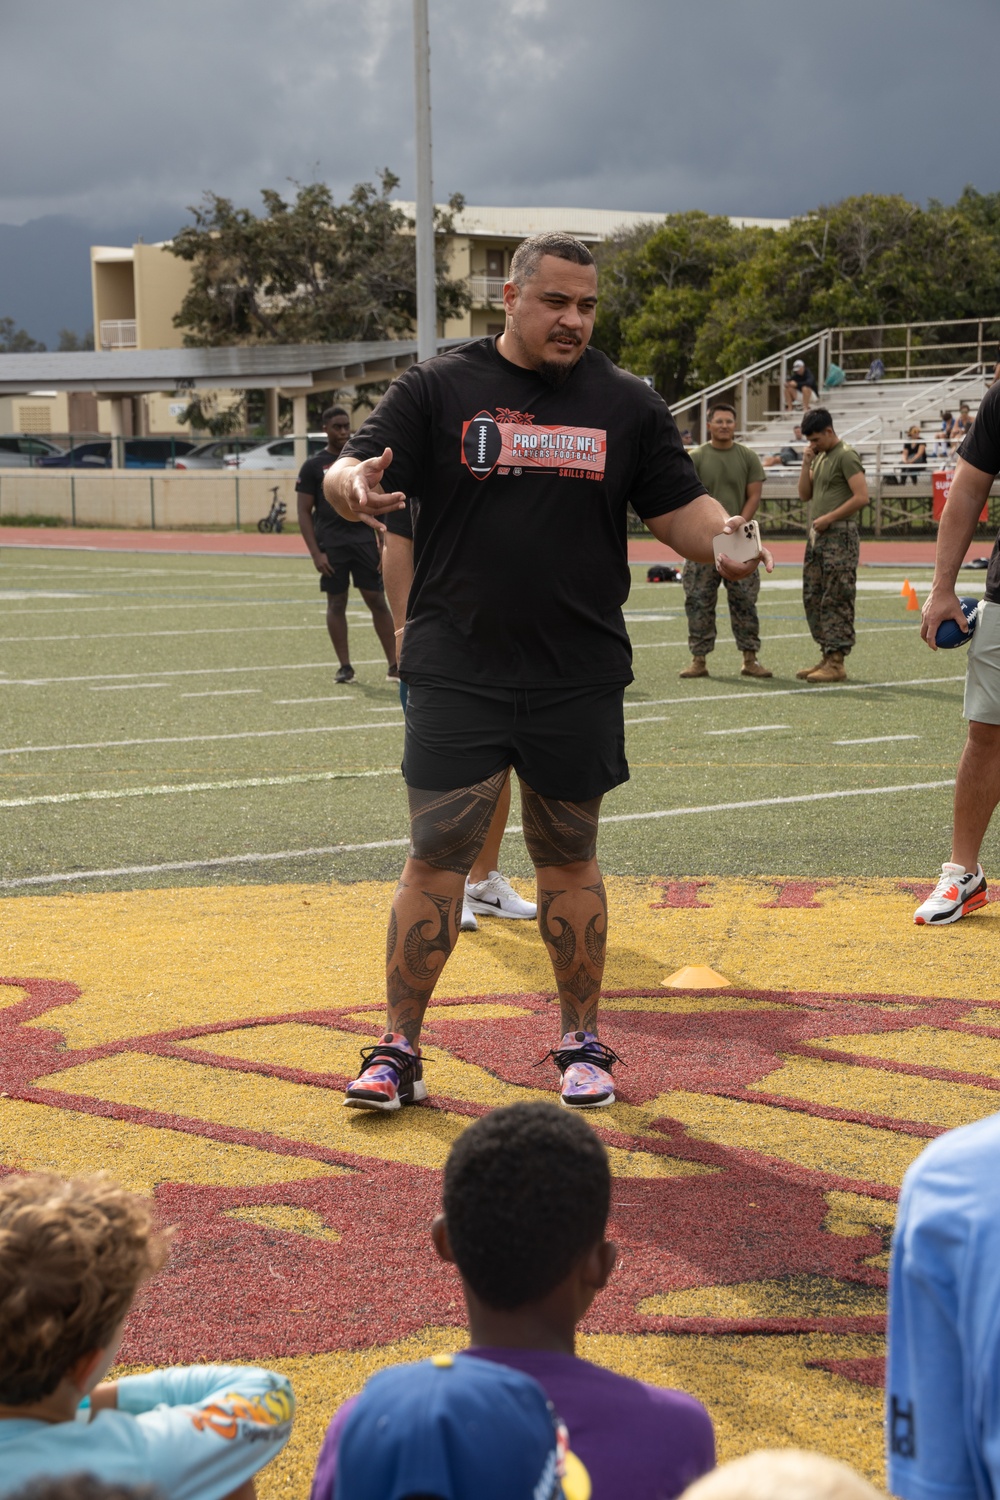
[982, 681]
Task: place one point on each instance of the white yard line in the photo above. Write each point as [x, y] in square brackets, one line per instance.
[749, 729]
[117, 793]
[218, 693]
[289, 854]
[293, 666]
[148, 635]
[198, 739]
[286, 702]
[125, 687]
[878, 739]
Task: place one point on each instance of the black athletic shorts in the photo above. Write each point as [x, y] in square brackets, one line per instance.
[346, 565]
[565, 743]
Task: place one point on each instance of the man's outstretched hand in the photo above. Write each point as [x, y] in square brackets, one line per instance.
[365, 497]
[736, 570]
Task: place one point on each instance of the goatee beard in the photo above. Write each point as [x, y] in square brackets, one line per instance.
[555, 372]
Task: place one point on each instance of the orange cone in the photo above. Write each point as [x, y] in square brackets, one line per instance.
[697, 977]
[905, 590]
[913, 602]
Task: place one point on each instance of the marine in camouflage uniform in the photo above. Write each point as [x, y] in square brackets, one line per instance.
[832, 481]
[734, 475]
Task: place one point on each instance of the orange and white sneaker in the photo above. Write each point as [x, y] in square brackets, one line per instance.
[958, 892]
[393, 1075]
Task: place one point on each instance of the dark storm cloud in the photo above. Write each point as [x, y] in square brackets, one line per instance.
[121, 111]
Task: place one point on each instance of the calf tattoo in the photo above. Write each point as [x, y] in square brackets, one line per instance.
[561, 944]
[595, 938]
[578, 983]
[412, 955]
[417, 948]
[448, 829]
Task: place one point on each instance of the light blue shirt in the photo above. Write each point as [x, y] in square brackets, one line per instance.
[943, 1371]
[199, 1431]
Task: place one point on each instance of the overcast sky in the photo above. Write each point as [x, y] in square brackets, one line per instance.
[122, 112]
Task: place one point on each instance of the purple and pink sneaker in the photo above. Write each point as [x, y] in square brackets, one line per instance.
[393, 1075]
[585, 1066]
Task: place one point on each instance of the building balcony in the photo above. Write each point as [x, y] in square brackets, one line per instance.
[118, 333]
[486, 291]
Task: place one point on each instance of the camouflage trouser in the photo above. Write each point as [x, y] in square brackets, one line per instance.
[701, 588]
[829, 587]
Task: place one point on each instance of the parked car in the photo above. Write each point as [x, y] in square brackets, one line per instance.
[18, 452]
[277, 454]
[140, 453]
[213, 453]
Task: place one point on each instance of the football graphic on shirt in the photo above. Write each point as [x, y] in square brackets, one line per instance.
[481, 444]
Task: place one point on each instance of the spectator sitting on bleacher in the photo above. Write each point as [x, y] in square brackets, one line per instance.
[914, 456]
[783, 1474]
[526, 1196]
[72, 1257]
[787, 454]
[961, 425]
[801, 382]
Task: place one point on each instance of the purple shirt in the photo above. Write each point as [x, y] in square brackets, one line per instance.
[633, 1439]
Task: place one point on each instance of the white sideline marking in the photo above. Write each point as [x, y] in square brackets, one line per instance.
[148, 635]
[878, 739]
[749, 729]
[294, 666]
[119, 687]
[249, 859]
[109, 609]
[197, 739]
[193, 786]
[284, 702]
[217, 692]
[828, 688]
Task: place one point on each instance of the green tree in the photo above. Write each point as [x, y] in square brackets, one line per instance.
[14, 340]
[309, 271]
[70, 342]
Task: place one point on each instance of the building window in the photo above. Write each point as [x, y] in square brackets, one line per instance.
[34, 419]
[494, 263]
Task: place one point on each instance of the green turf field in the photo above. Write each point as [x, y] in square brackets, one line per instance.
[171, 720]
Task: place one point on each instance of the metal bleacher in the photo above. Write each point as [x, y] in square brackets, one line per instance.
[929, 368]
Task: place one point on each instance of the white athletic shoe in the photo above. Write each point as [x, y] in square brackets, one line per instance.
[494, 897]
[958, 892]
[468, 922]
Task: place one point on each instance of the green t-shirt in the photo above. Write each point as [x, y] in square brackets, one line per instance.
[726, 472]
[831, 476]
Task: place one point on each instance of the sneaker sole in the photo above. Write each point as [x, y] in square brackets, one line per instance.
[484, 909]
[386, 1106]
[586, 1103]
[974, 903]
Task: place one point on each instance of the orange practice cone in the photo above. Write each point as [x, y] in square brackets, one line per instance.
[697, 977]
[905, 590]
[913, 602]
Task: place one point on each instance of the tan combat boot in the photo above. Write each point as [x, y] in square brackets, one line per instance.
[832, 669]
[698, 668]
[752, 667]
[807, 672]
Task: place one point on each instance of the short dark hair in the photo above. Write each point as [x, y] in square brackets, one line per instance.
[816, 419]
[526, 1192]
[527, 257]
[720, 406]
[334, 411]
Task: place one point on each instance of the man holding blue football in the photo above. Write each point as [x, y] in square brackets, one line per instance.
[962, 886]
[520, 456]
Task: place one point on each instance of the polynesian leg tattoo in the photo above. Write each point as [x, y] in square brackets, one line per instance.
[447, 830]
[572, 904]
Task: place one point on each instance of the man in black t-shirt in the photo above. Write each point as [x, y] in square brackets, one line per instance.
[962, 886]
[341, 551]
[520, 456]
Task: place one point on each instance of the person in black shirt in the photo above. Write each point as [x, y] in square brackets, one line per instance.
[801, 382]
[520, 457]
[341, 551]
[962, 886]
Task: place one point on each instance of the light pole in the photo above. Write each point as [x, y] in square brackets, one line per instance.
[426, 279]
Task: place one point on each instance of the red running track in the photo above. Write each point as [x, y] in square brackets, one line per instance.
[252, 544]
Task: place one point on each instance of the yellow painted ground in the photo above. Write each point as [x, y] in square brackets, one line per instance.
[151, 961]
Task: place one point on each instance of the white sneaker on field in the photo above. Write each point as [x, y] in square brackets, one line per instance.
[468, 922]
[958, 892]
[494, 897]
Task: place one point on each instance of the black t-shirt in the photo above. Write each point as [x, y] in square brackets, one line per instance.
[981, 448]
[333, 533]
[519, 494]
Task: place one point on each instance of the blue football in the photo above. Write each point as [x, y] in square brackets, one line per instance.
[950, 633]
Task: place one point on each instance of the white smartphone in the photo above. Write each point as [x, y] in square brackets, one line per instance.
[739, 546]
